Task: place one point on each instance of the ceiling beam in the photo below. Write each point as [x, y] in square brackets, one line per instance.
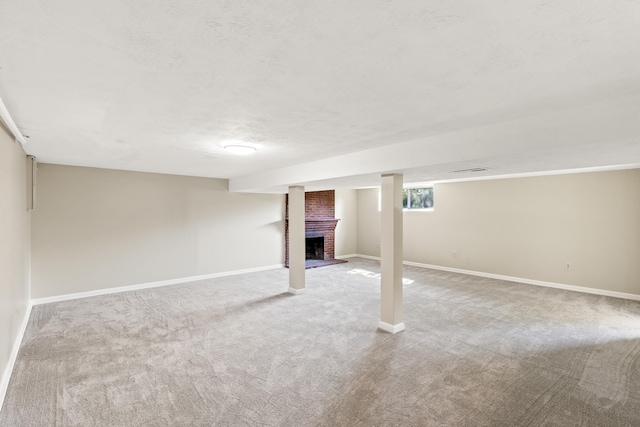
[612, 123]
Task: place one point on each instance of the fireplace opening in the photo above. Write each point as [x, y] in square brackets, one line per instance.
[319, 229]
[314, 247]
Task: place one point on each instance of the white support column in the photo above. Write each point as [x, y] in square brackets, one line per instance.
[297, 252]
[391, 254]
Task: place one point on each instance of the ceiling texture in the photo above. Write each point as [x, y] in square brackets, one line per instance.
[333, 93]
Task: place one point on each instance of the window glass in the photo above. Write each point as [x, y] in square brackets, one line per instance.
[417, 198]
[413, 198]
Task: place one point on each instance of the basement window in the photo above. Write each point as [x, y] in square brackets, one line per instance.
[413, 199]
[417, 198]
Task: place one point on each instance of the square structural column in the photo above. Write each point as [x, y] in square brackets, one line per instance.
[297, 253]
[391, 254]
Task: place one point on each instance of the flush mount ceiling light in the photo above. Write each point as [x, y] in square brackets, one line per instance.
[240, 149]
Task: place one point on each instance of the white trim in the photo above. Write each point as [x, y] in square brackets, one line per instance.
[6, 376]
[542, 173]
[594, 291]
[295, 291]
[562, 286]
[374, 258]
[410, 185]
[624, 166]
[417, 209]
[346, 256]
[7, 120]
[387, 327]
[67, 297]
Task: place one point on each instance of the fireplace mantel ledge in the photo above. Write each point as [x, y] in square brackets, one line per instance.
[318, 219]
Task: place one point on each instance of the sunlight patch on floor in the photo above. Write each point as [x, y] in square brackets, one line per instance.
[372, 275]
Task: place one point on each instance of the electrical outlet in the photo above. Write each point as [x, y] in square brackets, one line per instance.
[453, 254]
[567, 266]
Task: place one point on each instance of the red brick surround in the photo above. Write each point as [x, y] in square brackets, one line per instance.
[319, 220]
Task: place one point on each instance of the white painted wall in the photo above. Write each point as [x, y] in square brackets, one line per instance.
[526, 227]
[15, 227]
[97, 228]
[346, 209]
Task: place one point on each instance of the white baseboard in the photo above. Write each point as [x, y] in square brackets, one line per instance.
[562, 286]
[67, 297]
[295, 291]
[388, 327]
[6, 375]
[374, 258]
[346, 256]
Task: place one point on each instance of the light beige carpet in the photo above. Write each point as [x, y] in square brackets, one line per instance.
[239, 351]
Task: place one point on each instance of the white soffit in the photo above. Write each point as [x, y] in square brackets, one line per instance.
[602, 134]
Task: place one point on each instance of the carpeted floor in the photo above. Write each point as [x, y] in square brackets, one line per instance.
[239, 351]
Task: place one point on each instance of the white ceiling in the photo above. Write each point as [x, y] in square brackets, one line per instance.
[332, 92]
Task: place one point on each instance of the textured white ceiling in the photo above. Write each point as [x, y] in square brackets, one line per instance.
[159, 85]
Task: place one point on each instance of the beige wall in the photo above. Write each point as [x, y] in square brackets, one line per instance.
[98, 228]
[14, 244]
[368, 231]
[346, 230]
[528, 228]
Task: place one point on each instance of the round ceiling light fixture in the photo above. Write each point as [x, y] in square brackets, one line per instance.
[240, 149]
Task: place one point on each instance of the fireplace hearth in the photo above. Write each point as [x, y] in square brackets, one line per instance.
[320, 225]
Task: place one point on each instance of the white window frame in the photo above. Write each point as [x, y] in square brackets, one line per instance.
[410, 188]
[414, 187]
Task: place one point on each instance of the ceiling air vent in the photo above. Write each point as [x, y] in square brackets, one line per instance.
[471, 170]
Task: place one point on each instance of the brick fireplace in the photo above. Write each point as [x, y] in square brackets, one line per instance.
[319, 227]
